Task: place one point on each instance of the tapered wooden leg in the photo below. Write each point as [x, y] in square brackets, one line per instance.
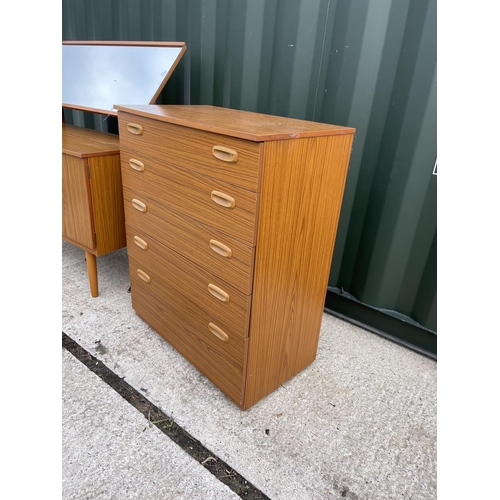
[92, 272]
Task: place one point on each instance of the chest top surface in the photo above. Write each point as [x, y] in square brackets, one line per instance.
[236, 123]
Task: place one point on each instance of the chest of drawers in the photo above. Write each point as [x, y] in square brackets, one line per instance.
[231, 219]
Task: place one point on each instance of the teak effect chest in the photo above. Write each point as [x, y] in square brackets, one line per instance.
[231, 219]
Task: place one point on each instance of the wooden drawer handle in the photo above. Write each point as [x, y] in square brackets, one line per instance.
[218, 293]
[135, 128]
[218, 332]
[221, 249]
[225, 154]
[139, 205]
[140, 243]
[223, 199]
[143, 276]
[136, 164]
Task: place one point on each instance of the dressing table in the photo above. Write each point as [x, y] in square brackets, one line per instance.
[95, 75]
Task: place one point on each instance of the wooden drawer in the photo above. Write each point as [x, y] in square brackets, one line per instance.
[196, 196]
[227, 258]
[224, 304]
[193, 149]
[178, 319]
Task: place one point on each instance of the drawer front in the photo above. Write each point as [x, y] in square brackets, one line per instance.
[227, 258]
[224, 304]
[180, 322]
[233, 160]
[227, 208]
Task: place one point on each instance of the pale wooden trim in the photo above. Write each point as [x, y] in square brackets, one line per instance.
[124, 43]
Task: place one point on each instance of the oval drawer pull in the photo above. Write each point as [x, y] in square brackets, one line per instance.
[221, 249]
[218, 332]
[139, 205]
[135, 128]
[140, 243]
[223, 199]
[136, 164]
[218, 293]
[143, 276]
[225, 154]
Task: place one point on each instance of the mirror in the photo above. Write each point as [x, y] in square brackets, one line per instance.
[98, 75]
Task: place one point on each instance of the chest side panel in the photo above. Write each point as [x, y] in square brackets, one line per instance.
[302, 190]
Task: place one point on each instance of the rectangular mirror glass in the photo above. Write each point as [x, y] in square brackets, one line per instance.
[98, 75]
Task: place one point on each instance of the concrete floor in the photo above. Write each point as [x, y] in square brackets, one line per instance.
[359, 423]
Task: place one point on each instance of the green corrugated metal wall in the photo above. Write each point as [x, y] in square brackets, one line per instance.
[370, 64]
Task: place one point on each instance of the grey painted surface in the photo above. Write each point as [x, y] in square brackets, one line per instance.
[110, 451]
[366, 64]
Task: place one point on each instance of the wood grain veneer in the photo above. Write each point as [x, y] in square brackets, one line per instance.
[290, 211]
[186, 277]
[92, 199]
[298, 220]
[82, 142]
[77, 220]
[192, 238]
[107, 202]
[190, 193]
[178, 320]
[235, 123]
[193, 149]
